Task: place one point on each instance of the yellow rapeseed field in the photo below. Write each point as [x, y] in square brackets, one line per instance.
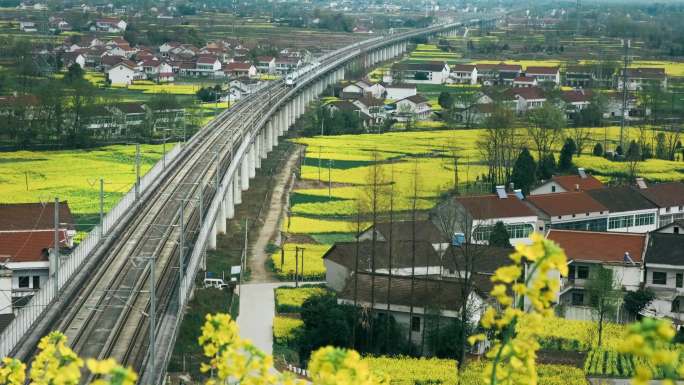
[286, 264]
[72, 175]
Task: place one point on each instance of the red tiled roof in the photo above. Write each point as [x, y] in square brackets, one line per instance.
[27, 246]
[576, 96]
[491, 207]
[33, 216]
[599, 246]
[575, 202]
[524, 79]
[206, 60]
[527, 93]
[237, 66]
[570, 182]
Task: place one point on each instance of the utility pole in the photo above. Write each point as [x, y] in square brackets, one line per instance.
[137, 171]
[329, 179]
[626, 44]
[101, 207]
[319, 164]
[153, 315]
[55, 247]
[302, 262]
[181, 249]
[296, 277]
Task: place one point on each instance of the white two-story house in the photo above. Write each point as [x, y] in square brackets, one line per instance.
[623, 253]
[664, 275]
[669, 197]
[464, 74]
[629, 210]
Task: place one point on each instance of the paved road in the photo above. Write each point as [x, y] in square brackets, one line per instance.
[257, 309]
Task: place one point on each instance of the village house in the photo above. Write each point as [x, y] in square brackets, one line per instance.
[416, 106]
[286, 64]
[109, 24]
[354, 90]
[497, 74]
[244, 85]
[425, 230]
[237, 69]
[266, 64]
[399, 91]
[621, 252]
[674, 227]
[575, 101]
[575, 210]
[28, 26]
[564, 183]
[422, 73]
[668, 197]
[27, 233]
[464, 74]
[412, 300]
[639, 78]
[579, 77]
[375, 108]
[522, 100]
[629, 211]
[71, 58]
[524, 81]
[478, 215]
[664, 275]
[124, 73]
[544, 74]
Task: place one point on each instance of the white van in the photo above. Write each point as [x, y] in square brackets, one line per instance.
[214, 282]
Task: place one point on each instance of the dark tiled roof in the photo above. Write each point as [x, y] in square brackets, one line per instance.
[541, 70]
[665, 194]
[426, 231]
[5, 320]
[417, 99]
[344, 253]
[445, 294]
[576, 96]
[527, 93]
[623, 198]
[33, 216]
[492, 207]
[463, 67]
[370, 101]
[485, 259]
[599, 246]
[666, 249]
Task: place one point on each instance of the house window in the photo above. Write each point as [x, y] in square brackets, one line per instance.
[24, 282]
[675, 230]
[644, 219]
[36, 282]
[577, 298]
[679, 280]
[675, 306]
[621, 222]
[659, 278]
[553, 188]
[415, 324]
[582, 272]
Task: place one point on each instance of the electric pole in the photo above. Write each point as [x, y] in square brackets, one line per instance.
[181, 249]
[626, 43]
[137, 171]
[55, 247]
[101, 207]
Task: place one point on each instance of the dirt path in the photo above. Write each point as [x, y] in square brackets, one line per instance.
[270, 227]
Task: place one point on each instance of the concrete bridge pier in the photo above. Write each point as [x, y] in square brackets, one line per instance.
[263, 147]
[221, 218]
[251, 162]
[268, 137]
[211, 242]
[237, 192]
[244, 173]
[228, 201]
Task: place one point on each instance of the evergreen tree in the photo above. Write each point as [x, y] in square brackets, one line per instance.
[499, 236]
[524, 170]
[633, 151]
[445, 100]
[565, 159]
[547, 166]
[598, 149]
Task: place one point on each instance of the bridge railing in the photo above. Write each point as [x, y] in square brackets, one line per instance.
[69, 264]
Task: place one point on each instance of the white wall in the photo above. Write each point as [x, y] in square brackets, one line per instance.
[5, 291]
[335, 275]
[548, 188]
[400, 93]
[634, 228]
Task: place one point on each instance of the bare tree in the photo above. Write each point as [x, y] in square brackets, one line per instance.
[374, 204]
[581, 136]
[544, 128]
[500, 144]
[390, 251]
[415, 187]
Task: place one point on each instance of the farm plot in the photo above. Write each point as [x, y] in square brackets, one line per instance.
[73, 175]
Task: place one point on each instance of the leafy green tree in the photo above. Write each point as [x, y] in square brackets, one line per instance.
[524, 171]
[547, 166]
[565, 158]
[604, 296]
[636, 301]
[445, 100]
[321, 315]
[544, 127]
[598, 150]
[443, 341]
[74, 74]
[499, 236]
